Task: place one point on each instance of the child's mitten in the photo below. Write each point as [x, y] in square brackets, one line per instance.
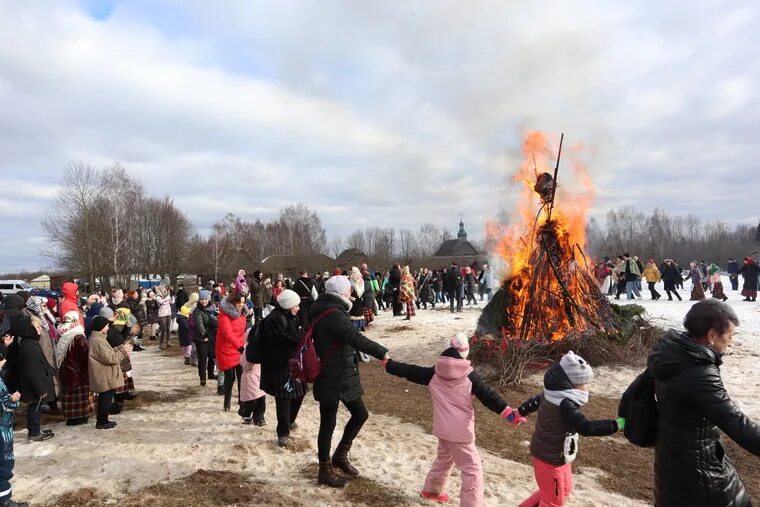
[620, 423]
[512, 416]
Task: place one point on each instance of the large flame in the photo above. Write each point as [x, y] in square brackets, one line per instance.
[544, 253]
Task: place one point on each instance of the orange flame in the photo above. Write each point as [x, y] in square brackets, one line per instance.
[518, 242]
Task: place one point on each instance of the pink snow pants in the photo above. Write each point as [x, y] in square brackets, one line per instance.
[554, 485]
[467, 459]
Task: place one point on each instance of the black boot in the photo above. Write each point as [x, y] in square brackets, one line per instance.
[11, 503]
[327, 476]
[342, 461]
[227, 401]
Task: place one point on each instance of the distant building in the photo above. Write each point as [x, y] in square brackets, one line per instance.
[459, 247]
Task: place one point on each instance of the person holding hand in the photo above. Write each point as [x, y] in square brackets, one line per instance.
[554, 445]
[453, 383]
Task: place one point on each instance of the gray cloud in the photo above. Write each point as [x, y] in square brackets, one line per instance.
[376, 113]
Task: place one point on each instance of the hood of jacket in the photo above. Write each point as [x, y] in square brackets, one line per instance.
[229, 309]
[94, 310]
[23, 328]
[330, 300]
[69, 291]
[555, 379]
[675, 352]
[451, 368]
[13, 302]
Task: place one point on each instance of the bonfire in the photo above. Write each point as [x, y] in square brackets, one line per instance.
[547, 293]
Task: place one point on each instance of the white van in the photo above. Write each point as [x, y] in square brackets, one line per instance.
[14, 286]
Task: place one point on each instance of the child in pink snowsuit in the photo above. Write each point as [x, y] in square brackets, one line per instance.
[555, 440]
[453, 383]
[253, 401]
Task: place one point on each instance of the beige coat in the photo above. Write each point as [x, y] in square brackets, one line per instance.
[104, 364]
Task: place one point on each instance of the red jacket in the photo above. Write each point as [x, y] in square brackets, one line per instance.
[69, 302]
[230, 336]
[74, 368]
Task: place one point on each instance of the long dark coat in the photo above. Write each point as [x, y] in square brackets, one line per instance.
[691, 467]
[337, 342]
[279, 340]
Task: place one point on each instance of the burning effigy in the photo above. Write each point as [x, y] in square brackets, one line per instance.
[547, 292]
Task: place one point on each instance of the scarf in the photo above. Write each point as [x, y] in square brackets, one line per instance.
[36, 305]
[577, 396]
[69, 329]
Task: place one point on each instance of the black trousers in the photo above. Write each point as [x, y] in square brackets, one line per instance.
[287, 412]
[104, 405]
[396, 305]
[454, 296]
[653, 291]
[328, 411]
[33, 416]
[204, 362]
[254, 409]
[229, 380]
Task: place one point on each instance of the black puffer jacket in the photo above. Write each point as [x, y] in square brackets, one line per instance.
[35, 374]
[279, 340]
[690, 467]
[337, 342]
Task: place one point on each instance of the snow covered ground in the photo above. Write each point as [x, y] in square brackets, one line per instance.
[172, 439]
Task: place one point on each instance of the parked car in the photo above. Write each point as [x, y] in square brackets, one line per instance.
[14, 287]
[46, 293]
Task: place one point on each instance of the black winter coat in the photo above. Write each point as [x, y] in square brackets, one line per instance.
[279, 340]
[750, 273]
[690, 467]
[181, 298]
[394, 278]
[35, 374]
[337, 342]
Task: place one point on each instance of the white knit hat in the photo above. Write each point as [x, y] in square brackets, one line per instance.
[576, 368]
[288, 299]
[461, 343]
[338, 284]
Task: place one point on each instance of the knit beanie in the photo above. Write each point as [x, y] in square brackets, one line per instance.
[461, 343]
[99, 323]
[576, 368]
[106, 312]
[338, 284]
[288, 299]
[204, 295]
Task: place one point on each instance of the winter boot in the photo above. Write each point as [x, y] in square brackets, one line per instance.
[187, 360]
[10, 503]
[220, 390]
[342, 461]
[327, 476]
[441, 498]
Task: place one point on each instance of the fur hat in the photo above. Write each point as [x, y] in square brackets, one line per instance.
[461, 343]
[576, 368]
[288, 299]
[204, 295]
[99, 323]
[338, 284]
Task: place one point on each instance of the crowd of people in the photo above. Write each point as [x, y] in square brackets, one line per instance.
[74, 356]
[626, 273]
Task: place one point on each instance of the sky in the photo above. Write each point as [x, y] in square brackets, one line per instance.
[376, 113]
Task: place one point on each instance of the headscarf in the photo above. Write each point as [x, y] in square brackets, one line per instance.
[240, 284]
[37, 305]
[714, 268]
[121, 317]
[357, 281]
[117, 297]
[68, 329]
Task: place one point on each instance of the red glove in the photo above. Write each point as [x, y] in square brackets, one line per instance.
[512, 416]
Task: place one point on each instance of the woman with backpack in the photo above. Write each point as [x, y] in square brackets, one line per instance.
[337, 344]
[279, 339]
[693, 407]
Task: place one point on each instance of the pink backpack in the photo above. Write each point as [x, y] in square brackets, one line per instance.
[305, 366]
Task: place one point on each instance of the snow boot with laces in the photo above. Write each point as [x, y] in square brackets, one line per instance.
[327, 476]
[342, 461]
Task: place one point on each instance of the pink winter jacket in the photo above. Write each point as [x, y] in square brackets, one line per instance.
[251, 380]
[452, 384]
[451, 392]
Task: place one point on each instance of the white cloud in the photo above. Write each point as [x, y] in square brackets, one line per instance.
[389, 114]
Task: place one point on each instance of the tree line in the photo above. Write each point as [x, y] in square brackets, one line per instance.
[680, 237]
[103, 226]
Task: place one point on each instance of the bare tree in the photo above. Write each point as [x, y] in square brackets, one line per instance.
[356, 241]
[68, 224]
[336, 246]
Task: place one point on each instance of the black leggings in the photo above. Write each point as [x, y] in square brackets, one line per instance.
[653, 291]
[328, 410]
[287, 411]
[229, 380]
[104, 405]
[204, 361]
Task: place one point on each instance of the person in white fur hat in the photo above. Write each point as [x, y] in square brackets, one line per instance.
[453, 383]
[337, 343]
[555, 440]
